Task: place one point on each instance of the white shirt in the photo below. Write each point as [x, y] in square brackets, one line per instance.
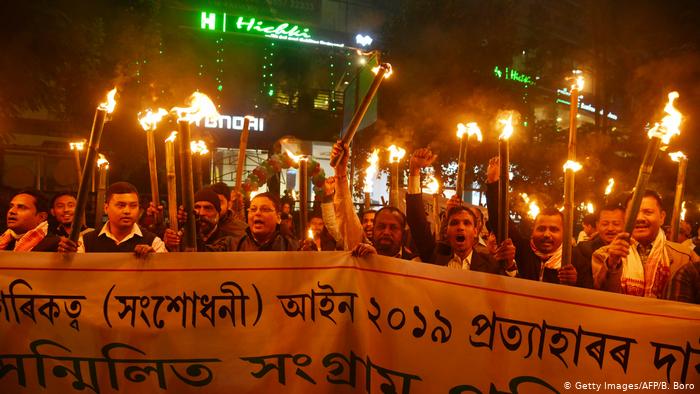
[459, 262]
[158, 245]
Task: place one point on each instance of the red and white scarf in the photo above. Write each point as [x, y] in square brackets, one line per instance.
[646, 280]
[27, 241]
[551, 260]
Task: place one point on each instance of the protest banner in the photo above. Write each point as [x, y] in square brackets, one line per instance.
[324, 322]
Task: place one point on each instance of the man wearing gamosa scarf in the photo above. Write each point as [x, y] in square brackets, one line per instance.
[27, 227]
[643, 265]
[539, 256]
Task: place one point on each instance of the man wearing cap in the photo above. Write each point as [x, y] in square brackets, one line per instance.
[210, 236]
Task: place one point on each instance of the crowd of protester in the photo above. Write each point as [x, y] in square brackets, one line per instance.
[643, 263]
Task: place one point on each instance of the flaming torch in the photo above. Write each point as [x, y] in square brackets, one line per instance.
[302, 162]
[395, 156]
[200, 107]
[609, 188]
[90, 161]
[171, 179]
[678, 205]
[370, 173]
[149, 121]
[433, 187]
[469, 129]
[660, 133]
[103, 168]
[198, 149]
[570, 168]
[504, 157]
[76, 148]
[382, 71]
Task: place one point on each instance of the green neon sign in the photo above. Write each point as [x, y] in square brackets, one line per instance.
[250, 25]
[512, 74]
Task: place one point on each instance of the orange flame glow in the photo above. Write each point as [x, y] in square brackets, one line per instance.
[295, 158]
[578, 81]
[395, 154]
[533, 210]
[683, 211]
[432, 185]
[470, 129]
[200, 106]
[677, 156]
[310, 234]
[149, 119]
[572, 165]
[102, 161]
[79, 145]
[371, 170]
[389, 70]
[670, 124]
[199, 147]
[590, 207]
[507, 127]
[609, 188]
[111, 102]
[171, 137]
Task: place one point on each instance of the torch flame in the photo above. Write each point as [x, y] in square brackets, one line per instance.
[171, 137]
[670, 124]
[471, 129]
[111, 102]
[102, 161]
[310, 234]
[389, 70]
[79, 146]
[371, 170]
[396, 154]
[200, 106]
[572, 165]
[590, 208]
[533, 210]
[432, 185]
[295, 158]
[149, 119]
[683, 211]
[199, 147]
[608, 189]
[677, 156]
[507, 127]
[578, 80]
[525, 198]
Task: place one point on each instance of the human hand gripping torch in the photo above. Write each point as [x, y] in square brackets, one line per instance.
[370, 174]
[570, 169]
[504, 157]
[103, 110]
[433, 187]
[102, 170]
[171, 179]
[464, 132]
[395, 156]
[658, 135]
[678, 203]
[382, 71]
[149, 121]
[200, 106]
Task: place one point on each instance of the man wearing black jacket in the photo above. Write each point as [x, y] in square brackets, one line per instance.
[539, 257]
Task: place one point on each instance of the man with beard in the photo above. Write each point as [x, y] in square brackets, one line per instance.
[457, 248]
[539, 257]
[121, 233]
[27, 228]
[643, 264]
[263, 232]
[228, 222]
[210, 236]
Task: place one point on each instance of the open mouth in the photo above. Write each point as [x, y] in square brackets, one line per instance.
[460, 238]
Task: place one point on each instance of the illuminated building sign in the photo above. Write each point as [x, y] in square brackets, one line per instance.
[232, 123]
[581, 104]
[512, 74]
[251, 25]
